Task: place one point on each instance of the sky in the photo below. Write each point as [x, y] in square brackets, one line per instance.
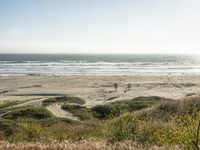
[100, 26]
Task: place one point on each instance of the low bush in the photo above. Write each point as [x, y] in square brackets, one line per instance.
[48, 131]
[28, 112]
[80, 111]
[7, 127]
[116, 108]
[107, 111]
[170, 123]
[165, 110]
[180, 127]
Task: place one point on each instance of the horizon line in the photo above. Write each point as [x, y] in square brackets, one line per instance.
[99, 53]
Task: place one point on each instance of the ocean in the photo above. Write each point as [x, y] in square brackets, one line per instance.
[97, 64]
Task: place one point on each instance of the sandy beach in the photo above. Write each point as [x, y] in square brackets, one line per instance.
[97, 89]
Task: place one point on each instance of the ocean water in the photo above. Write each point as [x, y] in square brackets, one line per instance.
[101, 64]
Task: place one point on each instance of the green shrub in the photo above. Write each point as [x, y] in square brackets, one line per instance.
[80, 111]
[90, 129]
[152, 128]
[121, 129]
[28, 112]
[179, 128]
[139, 103]
[48, 131]
[190, 105]
[170, 108]
[7, 127]
[115, 108]
[75, 100]
[107, 111]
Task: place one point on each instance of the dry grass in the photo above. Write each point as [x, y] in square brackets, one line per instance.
[81, 145]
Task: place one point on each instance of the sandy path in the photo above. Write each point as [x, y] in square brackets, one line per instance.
[59, 112]
[55, 109]
[34, 102]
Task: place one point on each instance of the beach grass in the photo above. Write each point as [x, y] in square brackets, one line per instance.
[116, 108]
[167, 124]
[79, 111]
[28, 112]
[8, 104]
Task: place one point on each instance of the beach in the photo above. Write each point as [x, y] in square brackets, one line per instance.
[97, 90]
[138, 93]
[99, 75]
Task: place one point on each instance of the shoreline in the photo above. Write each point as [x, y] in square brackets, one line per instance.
[93, 74]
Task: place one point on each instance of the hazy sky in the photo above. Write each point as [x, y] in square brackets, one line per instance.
[99, 26]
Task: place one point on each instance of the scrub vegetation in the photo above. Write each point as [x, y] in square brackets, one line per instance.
[142, 121]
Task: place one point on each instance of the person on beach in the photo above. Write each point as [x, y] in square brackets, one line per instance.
[115, 85]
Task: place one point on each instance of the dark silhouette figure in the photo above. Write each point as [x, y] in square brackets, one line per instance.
[116, 86]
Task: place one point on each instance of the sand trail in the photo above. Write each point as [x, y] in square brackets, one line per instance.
[59, 112]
